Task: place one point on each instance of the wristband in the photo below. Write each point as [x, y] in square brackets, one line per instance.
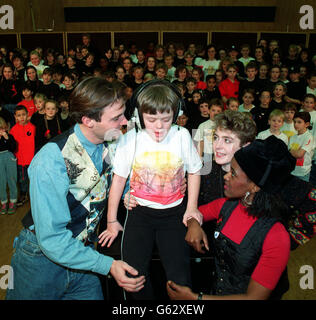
[200, 296]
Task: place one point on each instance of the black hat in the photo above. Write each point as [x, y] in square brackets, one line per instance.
[267, 163]
[294, 69]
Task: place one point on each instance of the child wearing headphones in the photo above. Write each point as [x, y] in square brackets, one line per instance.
[156, 157]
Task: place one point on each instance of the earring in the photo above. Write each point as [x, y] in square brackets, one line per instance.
[245, 199]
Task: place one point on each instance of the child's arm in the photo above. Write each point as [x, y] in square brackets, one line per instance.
[292, 100]
[298, 154]
[113, 226]
[193, 194]
[201, 148]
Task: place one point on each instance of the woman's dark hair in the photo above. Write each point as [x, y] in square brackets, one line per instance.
[269, 205]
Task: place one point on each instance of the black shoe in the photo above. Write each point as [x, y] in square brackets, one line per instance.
[21, 201]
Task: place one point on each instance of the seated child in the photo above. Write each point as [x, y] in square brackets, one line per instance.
[276, 120]
[248, 98]
[49, 127]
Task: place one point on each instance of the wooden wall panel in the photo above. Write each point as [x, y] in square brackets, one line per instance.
[9, 40]
[199, 38]
[227, 39]
[30, 41]
[141, 39]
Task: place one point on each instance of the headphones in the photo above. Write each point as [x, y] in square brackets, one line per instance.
[139, 122]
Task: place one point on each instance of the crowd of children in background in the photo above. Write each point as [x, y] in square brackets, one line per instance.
[278, 91]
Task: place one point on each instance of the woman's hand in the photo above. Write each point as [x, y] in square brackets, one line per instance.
[110, 234]
[129, 201]
[177, 292]
[196, 237]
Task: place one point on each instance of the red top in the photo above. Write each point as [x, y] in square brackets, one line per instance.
[201, 85]
[229, 89]
[30, 106]
[25, 138]
[275, 249]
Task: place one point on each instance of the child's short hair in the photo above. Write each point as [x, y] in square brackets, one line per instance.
[190, 79]
[26, 86]
[61, 99]
[199, 70]
[158, 97]
[310, 75]
[204, 100]
[232, 66]
[48, 71]
[210, 76]
[216, 102]
[51, 101]
[309, 95]
[188, 53]
[264, 90]
[251, 65]
[41, 96]
[148, 76]
[245, 45]
[162, 66]
[304, 115]
[138, 67]
[68, 75]
[276, 113]
[19, 108]
[290, 107]
[250, 91]
[231, 99]
[282, 84]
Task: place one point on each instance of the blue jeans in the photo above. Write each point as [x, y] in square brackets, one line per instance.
[8, 175]
[38, 278]
[23, 179]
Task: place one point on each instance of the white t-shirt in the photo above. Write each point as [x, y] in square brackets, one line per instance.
[310, 90]
[209, 66]
[288, 129]
[241, 108]
[156, 169]
[267, 133]
[306, 142]
[205, 133]
[246, 61]
[171, 74]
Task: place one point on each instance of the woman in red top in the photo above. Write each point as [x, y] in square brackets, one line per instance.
[251, 244]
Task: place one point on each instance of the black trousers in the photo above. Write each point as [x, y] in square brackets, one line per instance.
[146, 227]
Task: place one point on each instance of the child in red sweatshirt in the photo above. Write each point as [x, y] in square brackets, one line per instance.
[24, 134]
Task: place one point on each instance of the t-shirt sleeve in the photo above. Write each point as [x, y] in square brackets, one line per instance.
[274, 258]
[210, 211]
[191, 157]
[124, 154]
[308, 145]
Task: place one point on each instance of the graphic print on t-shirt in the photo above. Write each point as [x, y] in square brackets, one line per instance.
[157, 177]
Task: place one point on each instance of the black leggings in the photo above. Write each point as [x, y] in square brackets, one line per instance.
[146, 227]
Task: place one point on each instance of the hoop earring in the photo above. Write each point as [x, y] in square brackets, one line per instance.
[245, 199]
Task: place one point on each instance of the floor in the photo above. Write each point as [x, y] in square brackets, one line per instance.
[10, 226]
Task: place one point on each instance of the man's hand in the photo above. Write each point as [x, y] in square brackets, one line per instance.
[196, 236]
[118, 271]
